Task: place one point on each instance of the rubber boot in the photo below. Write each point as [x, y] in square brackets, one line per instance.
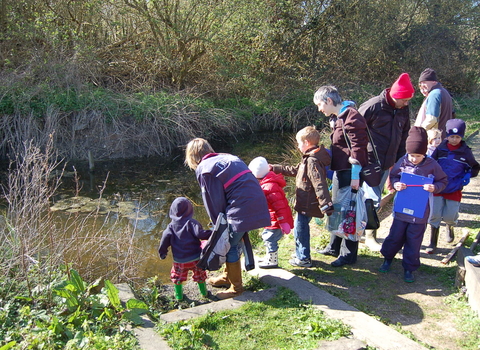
[450, 234]
[203, 288]
[408, 276]
[234, 275]
[433, 239]
[270, 261]
[179, 292]
[220, 281]
[371, 240]
[386, 265]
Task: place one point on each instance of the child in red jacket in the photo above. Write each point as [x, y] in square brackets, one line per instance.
[280, 213]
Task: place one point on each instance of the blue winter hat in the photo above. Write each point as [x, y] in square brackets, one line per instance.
[455, 127]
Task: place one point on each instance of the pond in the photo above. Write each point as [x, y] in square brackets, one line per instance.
[140, 191]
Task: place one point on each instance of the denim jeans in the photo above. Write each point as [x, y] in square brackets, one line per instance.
[379, 189]
[271, 237]
[236, 246]
[302, 236]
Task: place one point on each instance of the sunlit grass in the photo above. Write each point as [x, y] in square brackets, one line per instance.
[283, 322]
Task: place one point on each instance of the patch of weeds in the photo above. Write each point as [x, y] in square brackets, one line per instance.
[152, 293]
[444, 274]
[256, 239]
[253, 283]
[287, 320]
[467, 321]
[63, 311]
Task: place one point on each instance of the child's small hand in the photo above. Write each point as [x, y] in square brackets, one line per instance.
[466, 179]
[429, 187]
[399, 186]
[163, 256]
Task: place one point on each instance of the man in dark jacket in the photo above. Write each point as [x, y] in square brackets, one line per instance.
[437, 107]
[388, 119]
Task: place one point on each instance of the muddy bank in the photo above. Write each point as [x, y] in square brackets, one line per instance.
[84, 134]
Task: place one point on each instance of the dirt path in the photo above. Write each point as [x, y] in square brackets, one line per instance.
[419, 307]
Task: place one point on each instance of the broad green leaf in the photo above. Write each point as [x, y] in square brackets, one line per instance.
[77, 281]
[112, 293]
[22, 298]
[56, 326]
[8, 345]
[70, 299]
[107, 312]
[133, 317]
[136, 304]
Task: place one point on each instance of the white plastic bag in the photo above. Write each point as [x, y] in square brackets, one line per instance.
[336, 223]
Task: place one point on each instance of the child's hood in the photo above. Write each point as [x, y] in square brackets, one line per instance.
[321, 154]
[181, 209]
[272, 177]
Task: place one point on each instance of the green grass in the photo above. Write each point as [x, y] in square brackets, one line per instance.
[468, 321]
[283, 322]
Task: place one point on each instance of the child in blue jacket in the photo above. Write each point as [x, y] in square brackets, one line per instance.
[458, 162]
[184, 234]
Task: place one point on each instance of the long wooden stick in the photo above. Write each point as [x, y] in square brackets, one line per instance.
[457, 247]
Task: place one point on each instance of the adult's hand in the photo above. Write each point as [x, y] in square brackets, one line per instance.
[355, 184]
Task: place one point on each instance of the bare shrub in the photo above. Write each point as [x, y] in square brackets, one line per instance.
[31, 234]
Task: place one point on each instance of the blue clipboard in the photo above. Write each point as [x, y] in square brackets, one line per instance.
[412, 200]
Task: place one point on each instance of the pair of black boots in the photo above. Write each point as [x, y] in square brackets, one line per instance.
[434, 232]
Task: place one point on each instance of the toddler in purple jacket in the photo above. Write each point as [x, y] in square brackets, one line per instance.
[184, 235]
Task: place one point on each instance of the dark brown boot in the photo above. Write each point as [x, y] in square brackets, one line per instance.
[433, 239]
[450, 234]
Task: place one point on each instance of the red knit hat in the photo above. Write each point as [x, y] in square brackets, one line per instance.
[402, 88]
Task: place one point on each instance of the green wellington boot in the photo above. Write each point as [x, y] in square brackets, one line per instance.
[179, 292]
[202, 286]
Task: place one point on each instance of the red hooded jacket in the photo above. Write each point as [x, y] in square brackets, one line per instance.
[272, 185]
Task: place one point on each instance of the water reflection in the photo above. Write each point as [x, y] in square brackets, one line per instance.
[140, 192]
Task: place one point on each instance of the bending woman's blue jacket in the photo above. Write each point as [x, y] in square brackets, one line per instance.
[228, 186]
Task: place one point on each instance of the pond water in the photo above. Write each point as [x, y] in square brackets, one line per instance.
[142, 190]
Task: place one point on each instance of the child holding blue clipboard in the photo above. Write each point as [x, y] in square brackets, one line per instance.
[414, 177]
